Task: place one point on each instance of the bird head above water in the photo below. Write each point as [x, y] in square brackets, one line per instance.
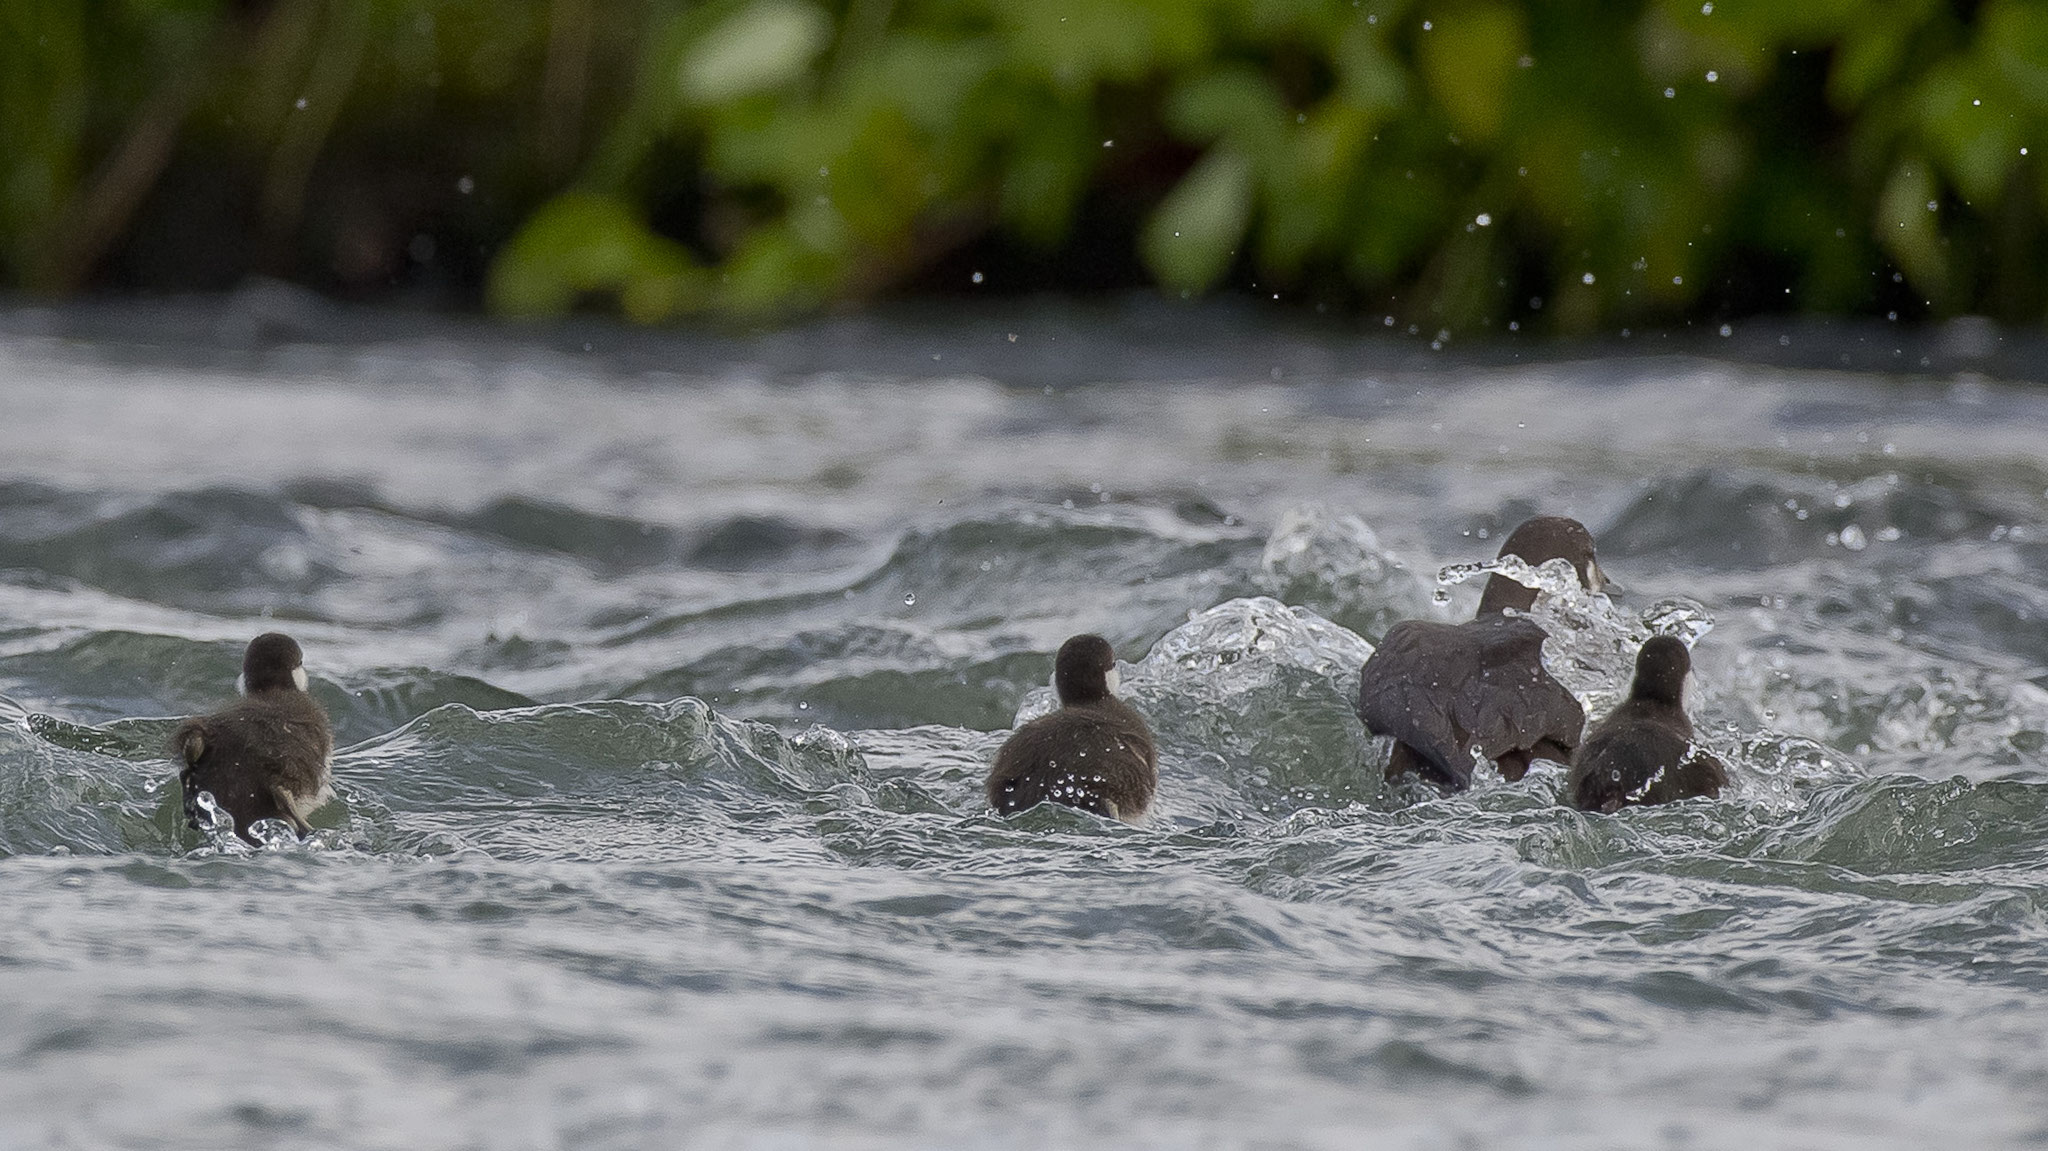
[1661, 668]
[1085, 670]
[273, 662]
[1536, 542]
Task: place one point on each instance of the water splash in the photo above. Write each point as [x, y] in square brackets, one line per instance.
[274, 834]
[218, 827]
[1592, 645]
[1333, 561]
[1261, 696]
[1232, 644]
[1680, 616]
[1557, 577]
[1776, 772]
[1231, 650]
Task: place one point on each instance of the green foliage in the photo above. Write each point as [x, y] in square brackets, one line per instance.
[1458, 163]
[583, 243]
[43, 96]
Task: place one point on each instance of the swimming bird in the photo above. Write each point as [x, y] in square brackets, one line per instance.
[1441, 690]
[1643, 751]
[266, 755]
[1095, 753]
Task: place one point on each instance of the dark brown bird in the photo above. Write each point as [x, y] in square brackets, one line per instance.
[1643, 751]
[1441, 690]
[266, 755]
[1094, 753]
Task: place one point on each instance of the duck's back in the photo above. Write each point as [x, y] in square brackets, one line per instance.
[1098, 757]
[264, 757]
[1444, 689]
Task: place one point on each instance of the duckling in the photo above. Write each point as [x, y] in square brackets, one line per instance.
[1643, 751]
[266, 756]
[1095, 753]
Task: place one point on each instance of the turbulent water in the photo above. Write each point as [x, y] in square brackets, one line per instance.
[664, 676]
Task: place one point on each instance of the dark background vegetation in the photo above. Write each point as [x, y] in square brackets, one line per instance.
[1568, 167]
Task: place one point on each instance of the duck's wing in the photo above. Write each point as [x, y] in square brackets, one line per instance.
[1410, 690]
[1511, 703]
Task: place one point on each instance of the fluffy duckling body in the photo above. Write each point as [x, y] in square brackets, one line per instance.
[265, 756]
[1643, 752]
[1095, 753]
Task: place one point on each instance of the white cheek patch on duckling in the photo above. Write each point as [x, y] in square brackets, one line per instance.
[1114, 679]
[299, 678]
[301, 806]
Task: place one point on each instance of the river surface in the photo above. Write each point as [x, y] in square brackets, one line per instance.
[665, 673]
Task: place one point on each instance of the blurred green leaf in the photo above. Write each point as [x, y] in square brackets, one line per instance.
[1190, 240]
[1469, 54]
[1232, 101]
[2013, 35]
[1078, 44]
[765, 44]
[1907, 225]
[583, 243]
[44, 94]
[1977, 138]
